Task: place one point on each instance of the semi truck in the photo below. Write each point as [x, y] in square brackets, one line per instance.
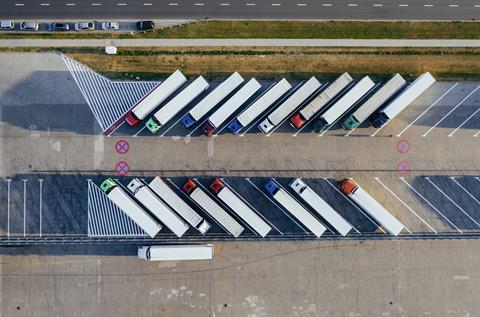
[175, 252]
[297, 210]
[374, 102]
[289, 105]
[236, 204]
[157, 207]
[171, 198]
[343, 104]
[155, 97]
[123, 201]
[371, 206]
[259, 106]
[301, 117]
[321, 206]
[412, 92]
[231, 105]
[174, 106]
[212, 99]
[212, 208]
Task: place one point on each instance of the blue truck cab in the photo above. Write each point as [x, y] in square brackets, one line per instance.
[188, 121]
[235, 126]
[379, 120]
[271, 187]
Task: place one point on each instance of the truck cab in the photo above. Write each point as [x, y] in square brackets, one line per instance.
[107, 185]
[188, 121]
[379, 120]
[132, 119]
[235, 126]
[297, 121]
[189, 186]
[208, 129]
[265, 126]
[135, 185]
[350, 123]
[216, 185]
[319, 125]
[348, 186]
[152, 125]
[271, 187]
[298, 185]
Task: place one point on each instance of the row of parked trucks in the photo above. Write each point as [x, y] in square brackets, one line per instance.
[309, 101]
[151, 205]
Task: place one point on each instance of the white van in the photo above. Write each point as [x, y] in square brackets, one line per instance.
[175, 252]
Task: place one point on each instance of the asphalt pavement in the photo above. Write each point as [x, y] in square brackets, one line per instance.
[247, 9]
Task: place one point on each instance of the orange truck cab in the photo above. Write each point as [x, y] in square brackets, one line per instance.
[297, 121]
[189, 186]
[216, 185]
[348, 186]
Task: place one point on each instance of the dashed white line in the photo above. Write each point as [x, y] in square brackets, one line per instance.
[200, 4]
[70, 4]
[431, 106]
[352, 4]
[327, 4]
[378, 5]
[224, 4]
[458, 105]
[250, 4]
[403, 203]
[96, 4]
[403, 5]
[428, 5]
[40, 204]
[477, 6]
[453, 5]
[8, 207]
[24, 206]
[121, 4]
[44, 4]
[147, 4]
[276, 4]
[173, 4]
[301, 4]
[19, 4]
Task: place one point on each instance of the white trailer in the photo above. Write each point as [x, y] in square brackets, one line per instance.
[123, 201]
[231, 105]
[157, 207]
[321, 206]
[298, 120]
[212, 99]
[167, 194]
[374, 102]
[412, 92]
[289, 105]
[297, 210]
[372, 207]
[155, 97]
[260, 105]
[175, 252]
[234, 202]
[174, 106]
[343, 104]
[212, 208]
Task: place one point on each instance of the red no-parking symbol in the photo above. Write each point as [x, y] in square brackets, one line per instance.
[122, 168]
[403, 146]
[122, 147]
[403, 168]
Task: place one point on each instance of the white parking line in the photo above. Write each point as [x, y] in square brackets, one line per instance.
[251, 183]
[430, 204]
[451, 200]
[139, 131]
[174, 124]
[470, 117]
[465, 190]
[403, 5]
[453, 5]
[327, 5]
[248, 204]
[425, 111]
[44, 4]
[406, 206]
[199, 4]
[198, 126]
[428, 5]
[40, 183]
[121, 4]
[477, 134]
[173, 4]
[276, 4]
[355, 206]
[147, 4]
[224, 4]
[378, 5]
[301, 4]
[24, 206]
[477, 6]
[352, 4]
[458, 105]
[70, 4]
[250, 4]
[8, 207]
[19, 4]
[96, 4]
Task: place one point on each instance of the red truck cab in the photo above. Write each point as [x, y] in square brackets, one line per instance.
[189, 186]
[216, 185]
[348, 186]
[297, 121]
[132, 119]
[208, 129]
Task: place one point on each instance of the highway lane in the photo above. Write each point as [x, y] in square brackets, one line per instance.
[244, 9]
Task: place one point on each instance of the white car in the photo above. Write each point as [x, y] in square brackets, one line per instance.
[29, 26]
[84, 26]
[110, 26]
[7, 25]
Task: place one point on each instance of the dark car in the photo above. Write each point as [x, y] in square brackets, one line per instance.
[58, 26]
[145, 25]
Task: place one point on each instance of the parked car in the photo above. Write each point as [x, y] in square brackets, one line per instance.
[110, 26]
[7, 25]
[58, 26]
[145, 25]
[84, 26]
[29, 26]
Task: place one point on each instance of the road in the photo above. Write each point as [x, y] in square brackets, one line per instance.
[246, 9]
